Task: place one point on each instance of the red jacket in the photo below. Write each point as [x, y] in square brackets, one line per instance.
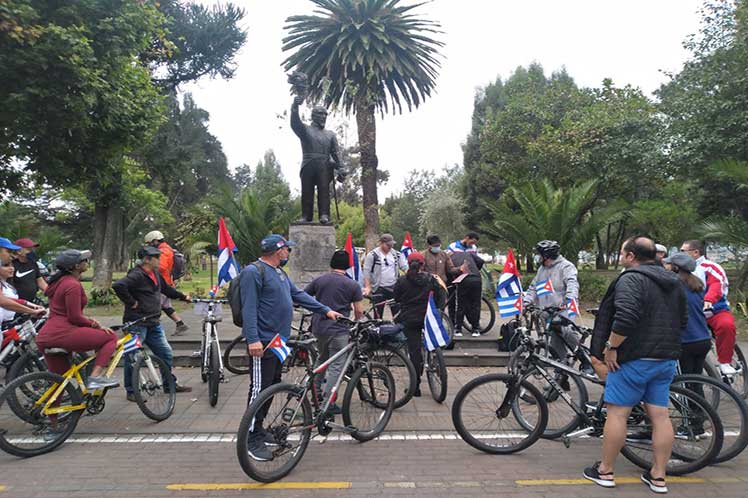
[66, 302]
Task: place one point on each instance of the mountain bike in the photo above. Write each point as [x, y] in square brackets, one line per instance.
[293, 411]
[40, 410]
[436, 373]
[211, 366]
[504, 413]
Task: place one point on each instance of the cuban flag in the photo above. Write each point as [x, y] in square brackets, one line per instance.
[407, 247]
[509, 289]
[132, 345]
[543, 288]
[228, 268]
[279, 348]
[354, 267]
[572, 309]
[436, 335]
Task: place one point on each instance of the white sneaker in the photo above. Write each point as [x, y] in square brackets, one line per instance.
[727, 370]
[458, 334]
[476, 334]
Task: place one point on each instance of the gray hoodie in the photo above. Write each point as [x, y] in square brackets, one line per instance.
[563, 276]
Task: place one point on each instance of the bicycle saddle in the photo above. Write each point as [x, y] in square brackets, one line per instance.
[302, 344]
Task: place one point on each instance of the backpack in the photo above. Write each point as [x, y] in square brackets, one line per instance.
[179, 269]
[234, 296]
[508, 337]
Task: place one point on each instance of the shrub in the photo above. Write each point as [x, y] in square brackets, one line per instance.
[103, 297]
[592, 286]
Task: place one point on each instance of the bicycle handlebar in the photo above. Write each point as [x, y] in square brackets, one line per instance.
[218, 301]
[127, 325]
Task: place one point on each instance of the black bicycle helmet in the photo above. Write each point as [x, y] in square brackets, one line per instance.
[548, 249]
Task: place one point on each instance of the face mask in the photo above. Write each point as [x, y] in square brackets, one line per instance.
[537, 259]
[284, 262]
[435, 249]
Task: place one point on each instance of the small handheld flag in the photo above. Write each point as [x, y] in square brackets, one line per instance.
[407, 247]
[132, 345]
[572, 308]
[544, 288]
[279, 348]
[228, 268]
[354, 267]
[435, 334]
[509, 289]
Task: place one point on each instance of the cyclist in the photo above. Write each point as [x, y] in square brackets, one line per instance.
[28, 279]
[165, 267]
[716, 307]
[68, 328]
[10, 303]
[563, 286]
[140, 290]
[381, 268]
[467, 302]
[412, 292]
[338, 291]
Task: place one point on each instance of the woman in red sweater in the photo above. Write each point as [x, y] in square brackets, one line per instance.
[68, 328]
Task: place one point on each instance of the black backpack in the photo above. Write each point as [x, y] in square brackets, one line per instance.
[180, 266]
[508, 337]
[234, 295]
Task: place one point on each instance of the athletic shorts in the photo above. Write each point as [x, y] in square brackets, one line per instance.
[640, 380]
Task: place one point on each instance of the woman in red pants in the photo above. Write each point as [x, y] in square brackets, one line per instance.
[68, 328]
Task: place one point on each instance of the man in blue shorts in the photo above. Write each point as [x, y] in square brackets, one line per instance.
[637, 336]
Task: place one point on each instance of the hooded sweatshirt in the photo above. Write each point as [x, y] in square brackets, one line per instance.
[563, 275]
[67, 299]
[413, 296]
[647, 305]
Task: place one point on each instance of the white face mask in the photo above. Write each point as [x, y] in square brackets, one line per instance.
[537, 259]
[435, 249]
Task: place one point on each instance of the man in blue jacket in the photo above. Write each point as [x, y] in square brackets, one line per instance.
[268, 296]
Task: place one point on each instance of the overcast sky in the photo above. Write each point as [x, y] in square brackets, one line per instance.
[632, 42]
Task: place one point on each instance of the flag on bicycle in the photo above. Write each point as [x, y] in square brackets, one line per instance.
[435, 333]
[509, 289]
[572, 308]
[278, 346]
[132, 344]
[354, 267]
[407, 247]
[544, 288]
[228, 268]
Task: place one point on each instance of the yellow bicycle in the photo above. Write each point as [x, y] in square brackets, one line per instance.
[40, 410]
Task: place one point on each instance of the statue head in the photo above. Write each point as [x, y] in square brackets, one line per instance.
[319, 116]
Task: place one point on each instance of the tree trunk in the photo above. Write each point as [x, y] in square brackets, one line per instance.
[367, 141]
[107, 233]
[530, 263]
[600, 257]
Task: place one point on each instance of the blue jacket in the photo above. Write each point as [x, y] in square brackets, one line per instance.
[267, 307]
[696, 329]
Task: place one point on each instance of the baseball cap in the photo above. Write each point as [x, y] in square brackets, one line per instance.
[148, 251]
[273, 242]
[68, 258]
[660, 248]
[681, 260]
[416, 256]
[26, 243]
[151, 236]
[387, 238]
[7, 244]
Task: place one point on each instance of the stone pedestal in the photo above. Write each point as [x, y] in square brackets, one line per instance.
[311, 256]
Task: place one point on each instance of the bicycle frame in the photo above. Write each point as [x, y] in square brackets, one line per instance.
[210, 336]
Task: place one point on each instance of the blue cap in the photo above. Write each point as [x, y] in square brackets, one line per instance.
[273, 242]
[7, 244]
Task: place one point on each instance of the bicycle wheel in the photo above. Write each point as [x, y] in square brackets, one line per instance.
[436, 374]
[287, 420]
[28, 362]
[561, 417]
[237, 364]
[487, 316]
[214, 374]
[369, 401]
[36, 433]
[482, 414]
[731, 408]
[154, 387]
[398, 362]
[698, 430]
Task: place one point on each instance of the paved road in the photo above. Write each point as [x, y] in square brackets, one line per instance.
[120, 453]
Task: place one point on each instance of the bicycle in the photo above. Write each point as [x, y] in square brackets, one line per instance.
[739, 380]
[498, 399]
[211, 366]
[436, 373]
[40, 410]
[294, 410]
[488, 307]
[17, 352]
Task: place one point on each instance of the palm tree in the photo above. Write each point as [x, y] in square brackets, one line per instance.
[364, 56]
[536, 211]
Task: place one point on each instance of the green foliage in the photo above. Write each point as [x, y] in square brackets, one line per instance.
[352, 220]
[592, 286]
[102, 297]
[666, 218]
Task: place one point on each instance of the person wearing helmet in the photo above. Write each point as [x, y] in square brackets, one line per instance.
[561, 276]
[68, 328]
[165, 267]
[140, 290]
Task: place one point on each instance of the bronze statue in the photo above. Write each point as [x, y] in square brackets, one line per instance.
[320, 159]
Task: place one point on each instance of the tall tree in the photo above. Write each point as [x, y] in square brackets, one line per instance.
[365, 56]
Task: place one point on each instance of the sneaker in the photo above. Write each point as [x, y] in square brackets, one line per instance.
[267, 437]
[131, 397]
[101, 382]
[688, 431]
[257, 448]
[179, 388]
[650, 481]
[458, 334]
[181, 329]
[593, 474]
[417, 392]
[727, 370]
[475, 334]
